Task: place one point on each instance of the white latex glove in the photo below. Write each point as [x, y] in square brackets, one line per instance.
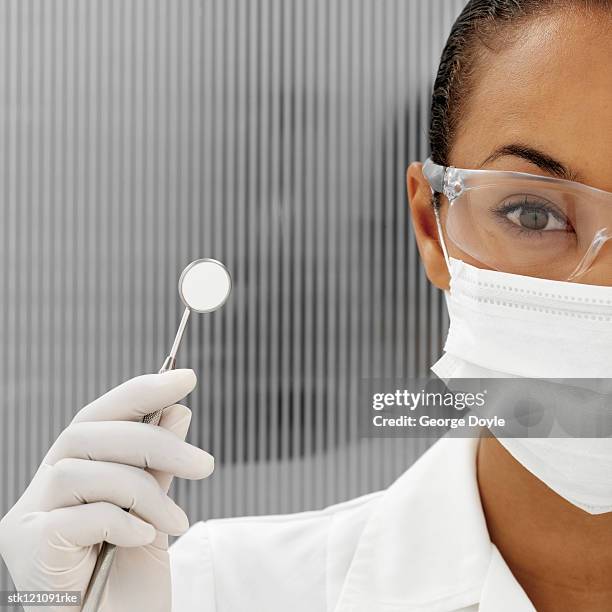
[50, 538]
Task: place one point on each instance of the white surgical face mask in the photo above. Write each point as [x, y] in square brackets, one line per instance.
[508, 325]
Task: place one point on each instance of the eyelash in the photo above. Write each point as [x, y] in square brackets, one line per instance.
[504, 209]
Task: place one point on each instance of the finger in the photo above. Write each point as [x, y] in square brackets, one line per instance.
[76, 481]
[139, 396]
[176, 419]
[89, 524]
[135, 444]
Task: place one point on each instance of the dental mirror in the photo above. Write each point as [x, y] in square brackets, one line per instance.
[204, 286]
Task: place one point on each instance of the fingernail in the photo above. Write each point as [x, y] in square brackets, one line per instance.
[180, 522]
[180, 373]
[206, 463]
[210, 463]
[183, 377]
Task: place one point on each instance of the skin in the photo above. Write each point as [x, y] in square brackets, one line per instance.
[549, 90]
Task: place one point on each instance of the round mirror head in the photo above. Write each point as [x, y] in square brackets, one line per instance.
[205, 285]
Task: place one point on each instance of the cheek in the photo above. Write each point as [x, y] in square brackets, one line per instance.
[454, 250]
[601, 271]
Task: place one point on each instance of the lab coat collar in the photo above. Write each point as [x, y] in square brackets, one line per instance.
[426, 547]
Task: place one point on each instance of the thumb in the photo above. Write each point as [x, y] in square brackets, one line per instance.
[139, 396]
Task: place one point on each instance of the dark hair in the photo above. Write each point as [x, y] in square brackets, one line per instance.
[483, 24]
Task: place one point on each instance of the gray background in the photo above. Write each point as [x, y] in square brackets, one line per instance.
[136, 135]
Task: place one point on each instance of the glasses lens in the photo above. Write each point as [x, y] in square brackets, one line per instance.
[527, 228]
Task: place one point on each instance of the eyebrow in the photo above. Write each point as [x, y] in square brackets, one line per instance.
[539, 158]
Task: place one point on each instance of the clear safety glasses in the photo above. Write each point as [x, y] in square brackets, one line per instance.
[524, 223]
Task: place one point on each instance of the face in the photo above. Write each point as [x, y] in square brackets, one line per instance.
[549, 90]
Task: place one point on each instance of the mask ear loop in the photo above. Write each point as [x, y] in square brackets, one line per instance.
[436, 208]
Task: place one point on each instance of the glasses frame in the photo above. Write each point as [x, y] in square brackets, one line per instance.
[452, 182]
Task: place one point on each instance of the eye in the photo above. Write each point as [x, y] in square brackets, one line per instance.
[531, 215]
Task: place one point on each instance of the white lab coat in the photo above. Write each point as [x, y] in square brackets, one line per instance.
[419, 545]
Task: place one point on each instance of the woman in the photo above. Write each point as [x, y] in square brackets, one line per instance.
[523, 87]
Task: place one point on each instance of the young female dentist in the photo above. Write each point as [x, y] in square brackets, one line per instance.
[523, 96]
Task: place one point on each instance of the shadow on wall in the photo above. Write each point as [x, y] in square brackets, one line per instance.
[329, 285]
[271, 135]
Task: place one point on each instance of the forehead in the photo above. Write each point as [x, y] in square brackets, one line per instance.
[550, 88]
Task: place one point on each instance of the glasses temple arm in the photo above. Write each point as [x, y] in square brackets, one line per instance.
[434, 173]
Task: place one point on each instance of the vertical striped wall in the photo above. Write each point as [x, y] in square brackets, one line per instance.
[136, 135]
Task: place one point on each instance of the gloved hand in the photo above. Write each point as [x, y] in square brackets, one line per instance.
[51, 537]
